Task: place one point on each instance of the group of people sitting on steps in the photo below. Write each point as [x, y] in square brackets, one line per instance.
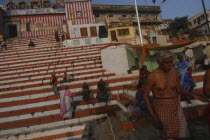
[67, 106]
[54, 81]
[102, 94]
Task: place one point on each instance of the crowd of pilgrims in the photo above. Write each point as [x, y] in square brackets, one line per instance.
[184, 68]
[183, 64]
[67, 106]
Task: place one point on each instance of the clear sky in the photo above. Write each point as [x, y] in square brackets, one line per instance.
[170, 9]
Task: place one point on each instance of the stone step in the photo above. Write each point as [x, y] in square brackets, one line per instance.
[49, 60]
[46, 81]
[80, 106]
[50, 69]
[44, 54]
[55, 68]
[27, 51]
[67, 132]
[47, 77]
[39, 67]
[92, 81]
[49, 126]
[49, 121]
[39, 85]
[40, 75]
[44, 96]
[26, 95]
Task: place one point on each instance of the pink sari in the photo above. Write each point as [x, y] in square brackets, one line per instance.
[66, 108]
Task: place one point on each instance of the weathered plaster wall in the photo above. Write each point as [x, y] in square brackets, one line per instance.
[114, 59]
[84, 41]
[130, 57]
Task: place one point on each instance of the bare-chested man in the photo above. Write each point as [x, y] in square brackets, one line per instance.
[206, 83]
[166, 110]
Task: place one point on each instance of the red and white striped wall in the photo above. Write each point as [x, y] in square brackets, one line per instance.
[50, 20]
[38, 33]
[80, 12]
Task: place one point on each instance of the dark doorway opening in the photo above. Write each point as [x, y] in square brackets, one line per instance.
[12, 31]
[154, 39]
[103, 33]
[113, 36]
[28, 28]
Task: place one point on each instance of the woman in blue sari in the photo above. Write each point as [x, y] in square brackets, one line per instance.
[182, 66]
[186, 80]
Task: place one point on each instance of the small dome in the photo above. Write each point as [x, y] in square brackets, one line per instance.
[11, 4]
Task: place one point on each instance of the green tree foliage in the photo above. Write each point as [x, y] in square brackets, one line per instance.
[194, 33]
[178, 25]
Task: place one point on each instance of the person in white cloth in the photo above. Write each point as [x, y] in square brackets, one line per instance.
[190, 56]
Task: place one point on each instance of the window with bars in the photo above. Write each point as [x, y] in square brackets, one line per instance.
[199, 20]
[123, 32]
[28, 28]
[202, 17]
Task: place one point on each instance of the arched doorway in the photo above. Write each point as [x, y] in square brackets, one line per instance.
[12, 30]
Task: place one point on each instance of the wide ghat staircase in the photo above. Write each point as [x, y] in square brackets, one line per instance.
[28, 107]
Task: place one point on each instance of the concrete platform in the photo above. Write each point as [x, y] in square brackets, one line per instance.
[100, 130]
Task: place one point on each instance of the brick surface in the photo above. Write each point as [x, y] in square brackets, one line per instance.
[198, 78]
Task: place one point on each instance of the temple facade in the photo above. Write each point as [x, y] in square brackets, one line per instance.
[75, 18]
[31, 18]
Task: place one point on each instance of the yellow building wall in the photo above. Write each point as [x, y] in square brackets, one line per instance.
[126, 38]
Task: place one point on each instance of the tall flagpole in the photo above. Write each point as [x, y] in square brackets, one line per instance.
[139, 25]
[41, 6]
[206, 17]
